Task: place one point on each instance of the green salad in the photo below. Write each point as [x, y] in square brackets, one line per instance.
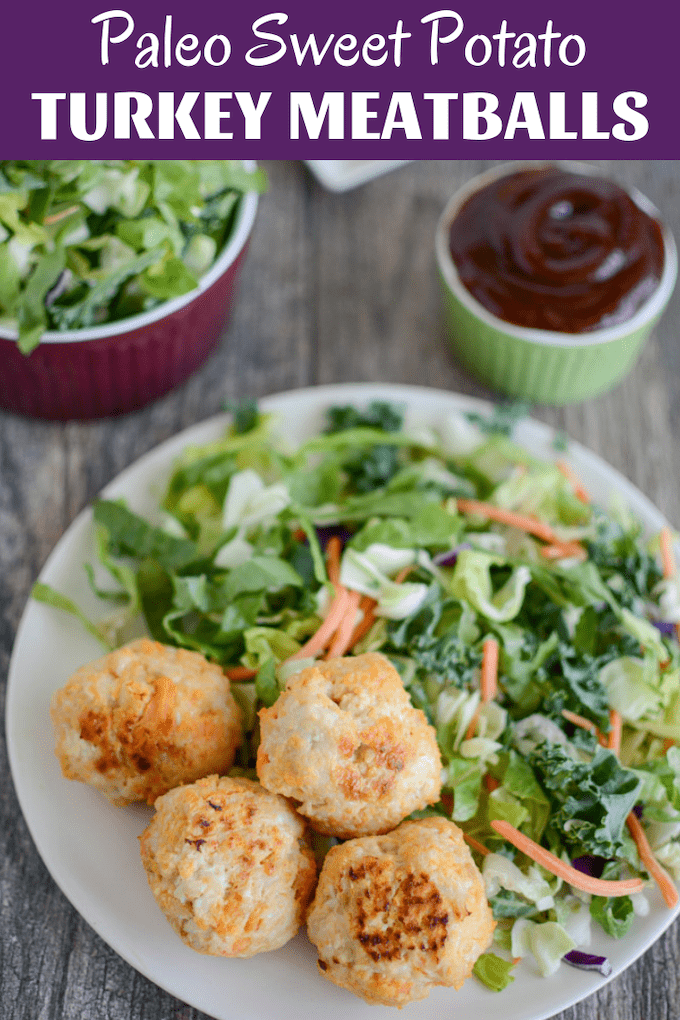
[457, 540]
[84, 242]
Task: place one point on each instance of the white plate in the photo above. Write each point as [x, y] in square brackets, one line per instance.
[91, 848]
[343, 174]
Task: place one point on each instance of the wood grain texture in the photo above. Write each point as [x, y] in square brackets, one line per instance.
[335, 288]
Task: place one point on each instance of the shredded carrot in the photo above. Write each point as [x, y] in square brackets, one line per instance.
[55, 217]
[562, 550]
[240, 673]
[317, 642]
[489, 679]
[490, 783]
[668, 561]
[403, 574]
[580, 492]
[496, 513]
[367, 606]
[579, 720]
[343, 636]
[470, 732]
[667, 744]
[299, 534]
[553, 864]
[615, 728]
[333, 550]
[662, 879]
[667, 553]
[586, 724]
[476, 845]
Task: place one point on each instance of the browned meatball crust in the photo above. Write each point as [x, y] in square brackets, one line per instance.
[229, 865]
[395, 915]
[143, 719]
[345, 743]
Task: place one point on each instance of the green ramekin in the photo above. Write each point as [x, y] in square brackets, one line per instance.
[544, 365]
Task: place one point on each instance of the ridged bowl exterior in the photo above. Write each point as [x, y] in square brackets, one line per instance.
[118, 367]
[115, 374]
[548, 375]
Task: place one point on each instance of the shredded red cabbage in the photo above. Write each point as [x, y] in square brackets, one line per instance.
[665, 628]
[448, 559]
[590, 864]
[326, 532]
[586, 961]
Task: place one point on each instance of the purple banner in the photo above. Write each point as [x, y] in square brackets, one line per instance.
[404, 80]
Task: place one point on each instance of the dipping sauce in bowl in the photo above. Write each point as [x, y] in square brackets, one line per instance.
[552, 278]
[551, 249]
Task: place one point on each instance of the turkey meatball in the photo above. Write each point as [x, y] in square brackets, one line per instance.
[395, 915]
[229, 866]
[345, 743]
[143, 719]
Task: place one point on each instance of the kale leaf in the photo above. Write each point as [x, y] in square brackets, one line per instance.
[590, 800]
[370, 468]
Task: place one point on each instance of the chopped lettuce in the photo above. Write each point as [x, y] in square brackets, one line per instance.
[45, 593]
[614, 913]
[472, 582]
[493, 971]
[92, 241]
[547, 942]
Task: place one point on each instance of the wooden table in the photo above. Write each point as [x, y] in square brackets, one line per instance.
[335, 288]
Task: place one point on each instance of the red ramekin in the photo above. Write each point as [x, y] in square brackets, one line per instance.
[120, 366]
